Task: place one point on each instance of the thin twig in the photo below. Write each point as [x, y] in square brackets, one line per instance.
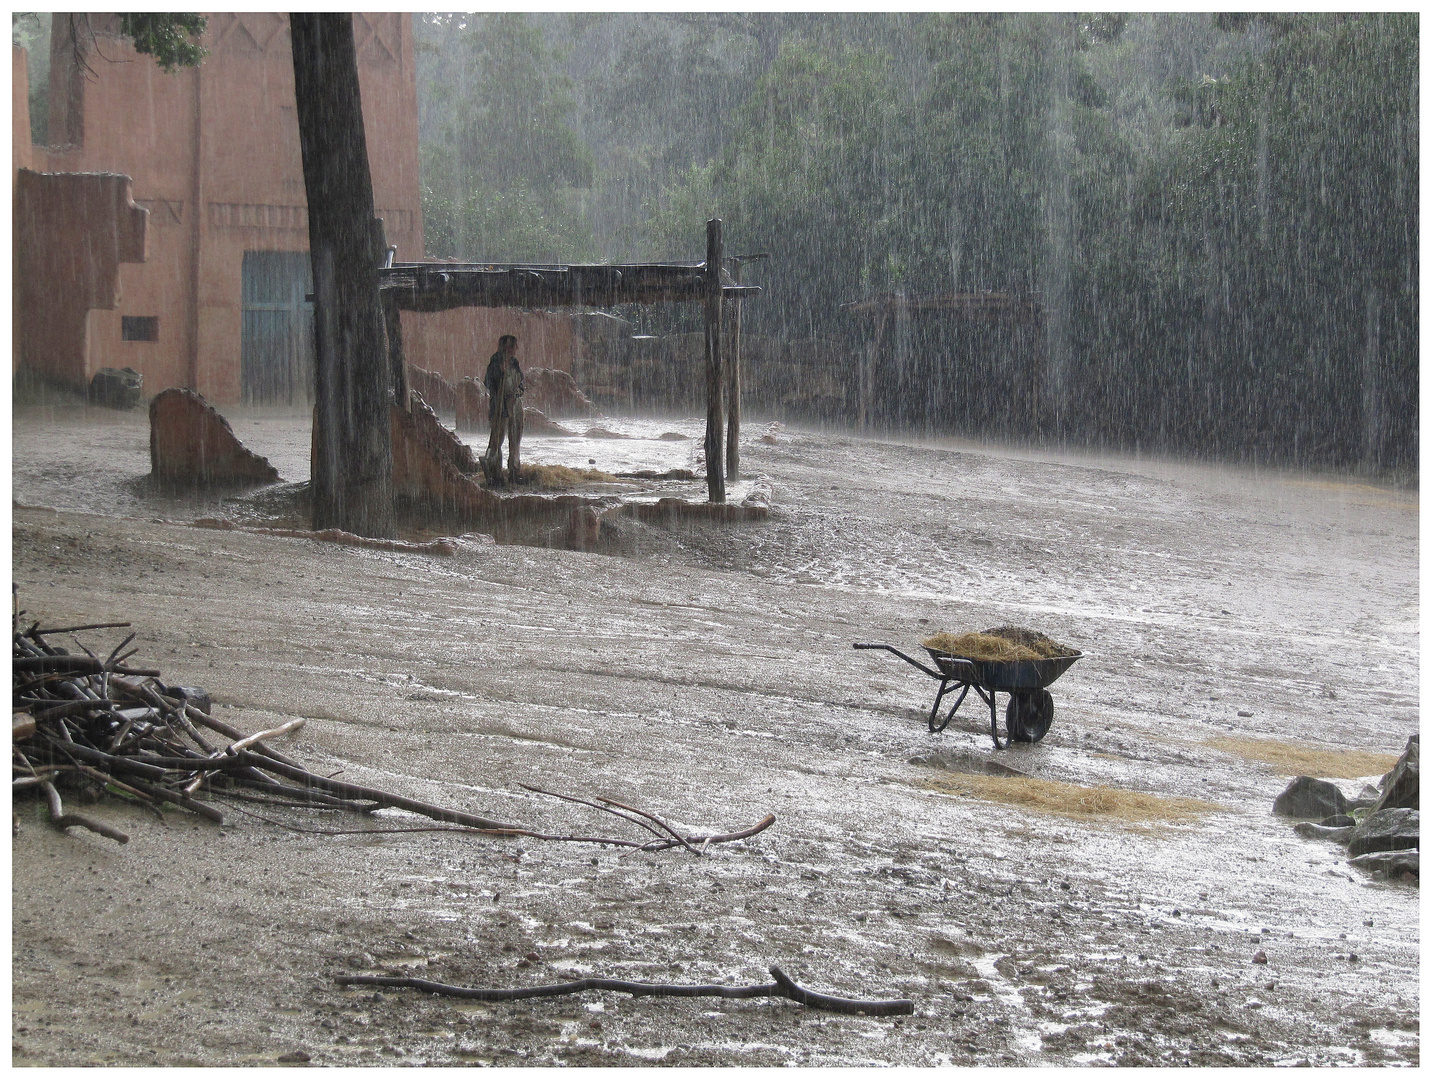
[120, 646]
[594, 806]
[676, 835]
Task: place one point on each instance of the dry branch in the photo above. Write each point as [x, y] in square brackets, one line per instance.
[97, 719]
[783, 987]
[61, 820]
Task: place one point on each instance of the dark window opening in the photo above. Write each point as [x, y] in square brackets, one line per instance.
[139, 327]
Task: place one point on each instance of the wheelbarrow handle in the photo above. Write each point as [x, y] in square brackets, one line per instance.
[908, 659]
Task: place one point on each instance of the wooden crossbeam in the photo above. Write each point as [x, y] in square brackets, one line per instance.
[443, 286]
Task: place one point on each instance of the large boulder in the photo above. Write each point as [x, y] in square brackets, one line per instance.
[190, 443]
[1385, 830]
[1339, 834]
[555, 392]
[116, 388]
[1309, 797]
[439, 394]
[1399, 787]
[536, 422]
[471, 405]
[1392, 863]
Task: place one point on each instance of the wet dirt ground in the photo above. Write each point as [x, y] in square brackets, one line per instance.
[705, 674]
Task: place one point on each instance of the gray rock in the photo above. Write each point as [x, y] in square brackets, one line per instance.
[1338, 821]
[1391, 863]
[1399, 789]
[1385, 830]
[1314, 831]
[1309, 797]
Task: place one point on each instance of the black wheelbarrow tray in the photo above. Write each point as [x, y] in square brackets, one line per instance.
[1030, 711]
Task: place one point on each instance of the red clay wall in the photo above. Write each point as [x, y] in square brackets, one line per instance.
[213, 153]
[75, 229]
[21, 156]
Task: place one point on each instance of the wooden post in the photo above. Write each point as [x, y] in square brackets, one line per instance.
[352, 474]
[715, 476]
[733, 392]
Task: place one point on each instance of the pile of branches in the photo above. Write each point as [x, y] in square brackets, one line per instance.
[89, 726]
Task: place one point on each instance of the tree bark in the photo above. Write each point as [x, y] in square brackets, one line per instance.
[352, 474]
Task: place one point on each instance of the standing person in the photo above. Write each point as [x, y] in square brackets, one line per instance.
[504, 408]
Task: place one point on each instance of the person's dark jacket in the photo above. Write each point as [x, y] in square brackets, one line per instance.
[500, 398]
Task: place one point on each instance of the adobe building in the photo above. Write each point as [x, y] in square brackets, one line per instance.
[207, 290]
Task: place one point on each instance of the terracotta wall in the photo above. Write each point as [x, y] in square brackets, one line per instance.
[458, 343]
[214, 156]
[77, 229]
[21, 156]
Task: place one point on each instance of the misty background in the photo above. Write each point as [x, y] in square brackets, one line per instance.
[1203, 227]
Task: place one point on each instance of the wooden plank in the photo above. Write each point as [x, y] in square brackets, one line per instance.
[443, 286]
[715, 388]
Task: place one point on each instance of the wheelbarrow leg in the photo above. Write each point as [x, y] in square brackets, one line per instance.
[935, 708]
[994, 725]
[989, 699]
[935, 729]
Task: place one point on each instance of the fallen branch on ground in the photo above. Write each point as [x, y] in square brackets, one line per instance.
[61, 820]
[95, 725]
[783, 987]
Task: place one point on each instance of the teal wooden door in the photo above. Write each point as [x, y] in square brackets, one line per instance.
[277, 342]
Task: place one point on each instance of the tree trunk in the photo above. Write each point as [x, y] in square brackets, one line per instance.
[352, 475]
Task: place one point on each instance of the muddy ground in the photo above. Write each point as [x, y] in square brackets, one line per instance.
[706, 674]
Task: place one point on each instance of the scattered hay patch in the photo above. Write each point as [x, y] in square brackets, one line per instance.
[1306, 759]
[1070, 800]
[560, 477]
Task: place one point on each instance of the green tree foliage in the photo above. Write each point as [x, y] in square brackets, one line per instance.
[809, 166]
[503, 169]
[1276, 234]
[170, 37]
[1216, 215]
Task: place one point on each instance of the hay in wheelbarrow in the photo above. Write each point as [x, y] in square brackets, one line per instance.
[999, 643]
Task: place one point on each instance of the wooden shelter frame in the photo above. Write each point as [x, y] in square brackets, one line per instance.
[442, 286]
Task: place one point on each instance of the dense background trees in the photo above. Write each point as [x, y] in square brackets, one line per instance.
[1217, 214]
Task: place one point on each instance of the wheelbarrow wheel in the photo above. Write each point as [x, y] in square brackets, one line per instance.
[1029, 715]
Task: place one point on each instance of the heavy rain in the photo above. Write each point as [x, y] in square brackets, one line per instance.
[453, 456]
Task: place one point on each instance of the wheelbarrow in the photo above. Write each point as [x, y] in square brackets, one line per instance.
[1030, 710]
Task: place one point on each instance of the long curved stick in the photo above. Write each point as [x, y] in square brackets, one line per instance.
[783, 987]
